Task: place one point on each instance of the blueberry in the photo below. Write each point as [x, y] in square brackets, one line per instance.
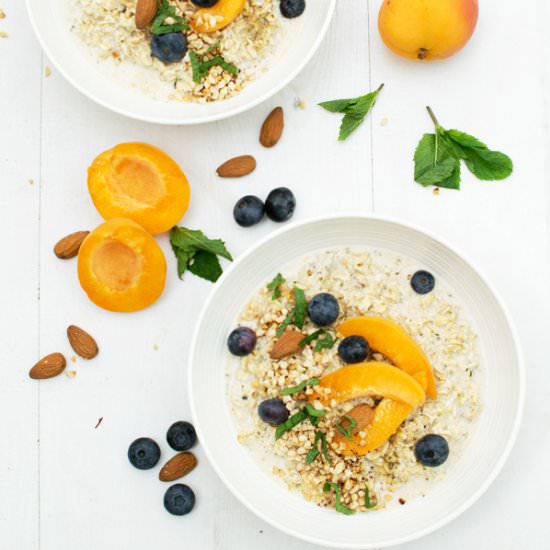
[431, 450]
[248, 211]
[179, 499]
[170, 47]
[323, 309]
[241, 341]
[280, 204]
[292, 8]
[144, 453]
[181, 436]
[353, 349]
[205, 3]
[423, 282]
[273, 412]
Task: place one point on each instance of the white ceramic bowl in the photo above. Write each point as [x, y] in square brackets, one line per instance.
[50, 21]
[487, 448]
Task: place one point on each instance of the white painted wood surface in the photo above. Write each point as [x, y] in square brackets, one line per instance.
[66, 485]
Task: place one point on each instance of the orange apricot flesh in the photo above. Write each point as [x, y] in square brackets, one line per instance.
[392, 341]
[218, 16]
[371, 378]
[139, 182]
[427, 30]
[121, 267]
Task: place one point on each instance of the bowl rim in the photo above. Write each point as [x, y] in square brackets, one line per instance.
[520, 366]
[186, 121]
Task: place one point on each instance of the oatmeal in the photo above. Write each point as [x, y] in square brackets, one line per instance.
[417, 368]
[232, 56]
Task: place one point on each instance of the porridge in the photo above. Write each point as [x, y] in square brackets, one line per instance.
[356, 377]
[184, 50]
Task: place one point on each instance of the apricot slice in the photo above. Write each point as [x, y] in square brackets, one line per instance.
[392, 341]
[218, 16]
[388, 416]
[140, 182]
[121, 267]
[372, 378]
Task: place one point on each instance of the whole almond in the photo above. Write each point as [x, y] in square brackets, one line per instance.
[145, 12]
[49, 366]
[178, 466]
[82, 343]
[69, 246]
[237, 167]
[272, 128]
[287, 344]
[362, 414]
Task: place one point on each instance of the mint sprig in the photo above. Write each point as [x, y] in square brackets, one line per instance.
[197, 253]
[275, 286]
[314, 451]
[354, 109]
[200, 66]
[301, 386]
[165, 11]
[339, 506]
[437, 158]
[297, 314]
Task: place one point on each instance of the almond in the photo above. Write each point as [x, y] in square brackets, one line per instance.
[82, 343]
[49, 366]
[69, 246]
[287, 344]
[178, 466]
[237, 167]
[362, 414]
[145, 13]
[272, 128]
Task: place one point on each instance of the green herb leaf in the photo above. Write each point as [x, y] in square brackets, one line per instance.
[339, 506]
[301, 387]
[275, 286]
[324, 343]
[346, 432]
[201, 66]
[292, 422]
[314, 452]
[313, 412]
[480, 160]
[311, 337]
[437, 158]
[312, 455]
[197, 253]
[288, 319]
[167, 10]
[354, 109]
[300, 308]
[368, 503]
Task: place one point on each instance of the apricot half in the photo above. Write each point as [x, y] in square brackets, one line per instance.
[121, 267]
[392, 341]
[140, 182]
[372, 378]
[218, 16]
[427, 29]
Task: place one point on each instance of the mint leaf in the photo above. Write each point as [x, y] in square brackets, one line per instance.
[200, 67]
[339, 506]
[286, 322]
[368, 503]
[434, 160]
[292, 422]
[300, 309]
[313, 412]
[324, 343]
[301, 386]
[314, 452]
[346, 431]
[480, 160]
[197, 253]
[206, 265]
[311, 337]
[167, 10]
[354, 109]
[275, 286]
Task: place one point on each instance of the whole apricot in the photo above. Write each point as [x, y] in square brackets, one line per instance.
[427, 30]
[121, 267]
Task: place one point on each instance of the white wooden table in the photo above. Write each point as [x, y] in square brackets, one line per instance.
[65, 485]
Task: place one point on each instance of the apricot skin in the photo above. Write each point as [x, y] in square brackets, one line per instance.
[427, 29]
[140, 182]
[121, 267]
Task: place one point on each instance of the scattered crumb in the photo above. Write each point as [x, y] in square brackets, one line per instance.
[388, 497]
[73, 358]
[47, 72]
[299, 103]
[436, 191]
[71, 373]
[31, 181]
[100, 420]
[156, 347]
[2, 14]
[384, 121]
[3, 34]
[402, 501]
[115, 55]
